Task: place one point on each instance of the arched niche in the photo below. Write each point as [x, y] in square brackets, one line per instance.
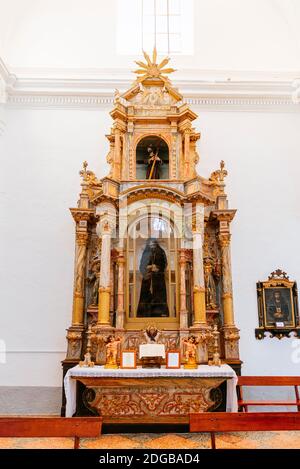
[141, 233]
[156, 145]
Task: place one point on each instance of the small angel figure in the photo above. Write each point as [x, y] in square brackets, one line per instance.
[112, 347]
[190, 351]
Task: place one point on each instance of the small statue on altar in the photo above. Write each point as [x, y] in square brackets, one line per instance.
[153, 161]
[112, 348]
[190, 351]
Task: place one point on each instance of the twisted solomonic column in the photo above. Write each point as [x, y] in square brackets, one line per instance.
[230, 331]
[80, 267]
[224, 244]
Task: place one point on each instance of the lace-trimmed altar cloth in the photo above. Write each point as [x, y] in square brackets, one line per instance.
[203, 371]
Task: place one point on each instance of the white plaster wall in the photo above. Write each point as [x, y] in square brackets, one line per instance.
[41, 153]
[231, 34]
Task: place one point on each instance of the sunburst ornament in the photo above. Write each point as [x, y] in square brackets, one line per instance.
[151, 69]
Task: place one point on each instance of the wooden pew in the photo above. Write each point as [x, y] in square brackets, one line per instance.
[293, 381]
[224, 422]
[29, 427]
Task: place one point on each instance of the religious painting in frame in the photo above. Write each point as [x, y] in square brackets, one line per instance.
[278, 311]
[128, 359]
[173, 359]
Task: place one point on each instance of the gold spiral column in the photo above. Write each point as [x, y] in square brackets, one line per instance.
[78, 301]
[224, 244]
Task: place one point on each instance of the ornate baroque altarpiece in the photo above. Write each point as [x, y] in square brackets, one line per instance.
[153, 236]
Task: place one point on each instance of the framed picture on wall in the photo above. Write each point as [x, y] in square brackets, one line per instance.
[173, 359]
[128, 359]
[277, 306]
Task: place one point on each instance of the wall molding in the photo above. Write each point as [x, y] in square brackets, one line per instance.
[91, 88]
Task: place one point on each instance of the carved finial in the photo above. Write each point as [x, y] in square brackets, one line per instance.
[84, 173]
[219, 175]
[278, 274]
[223, 172]
[117, 96]
[151, 69]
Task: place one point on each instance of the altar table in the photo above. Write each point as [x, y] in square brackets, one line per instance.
[147, 395]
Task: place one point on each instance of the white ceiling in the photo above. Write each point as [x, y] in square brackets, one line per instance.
[63, 52]
[252, 35]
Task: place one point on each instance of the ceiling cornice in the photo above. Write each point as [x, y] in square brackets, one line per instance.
[94, 88]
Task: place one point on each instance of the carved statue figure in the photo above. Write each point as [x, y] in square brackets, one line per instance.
[153, 296]
[112, 347]
[190, 348]
[153, 161]
[93, 280]
[152, 334]
[211, 275]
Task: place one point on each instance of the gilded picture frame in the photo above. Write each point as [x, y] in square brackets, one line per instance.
[128, 359]
[278, 311]
[173, 359]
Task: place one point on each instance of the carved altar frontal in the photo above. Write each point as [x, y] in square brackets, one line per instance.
[150, 396]
[152, 239]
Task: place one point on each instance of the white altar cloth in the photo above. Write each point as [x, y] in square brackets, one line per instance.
[203, 371]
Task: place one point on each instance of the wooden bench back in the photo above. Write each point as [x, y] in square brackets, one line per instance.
[269, 381]
[244, 422]
[24, 427]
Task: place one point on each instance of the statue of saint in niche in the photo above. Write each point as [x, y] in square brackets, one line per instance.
[154, 162]
[153, 296]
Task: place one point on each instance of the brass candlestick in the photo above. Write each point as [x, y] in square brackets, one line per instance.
[216, 361]
[87, 362]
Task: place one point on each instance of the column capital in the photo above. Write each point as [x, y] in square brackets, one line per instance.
[82, 214]
[105, 226]
[224, 239]
[120, 260]
[226, 215]
[182, 256]
[81, 238]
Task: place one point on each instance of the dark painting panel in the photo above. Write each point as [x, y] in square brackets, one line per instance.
[278, 306]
